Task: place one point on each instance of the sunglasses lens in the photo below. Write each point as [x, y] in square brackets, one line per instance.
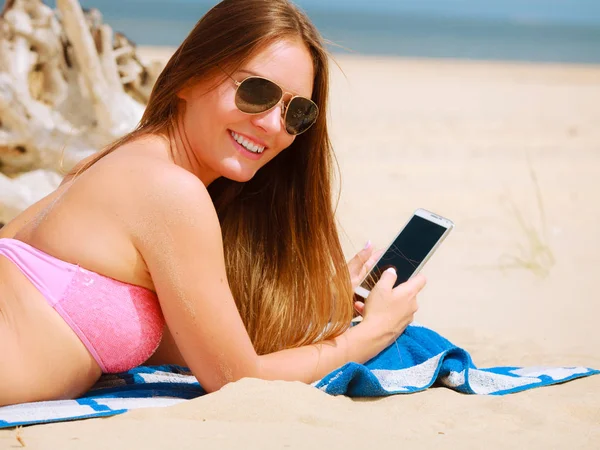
[300, 115]
[256, 95]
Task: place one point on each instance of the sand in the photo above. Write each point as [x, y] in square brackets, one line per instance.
[486, 145]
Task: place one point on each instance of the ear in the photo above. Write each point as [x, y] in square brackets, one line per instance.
[184, 93]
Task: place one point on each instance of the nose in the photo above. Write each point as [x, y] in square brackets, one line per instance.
[270, 121]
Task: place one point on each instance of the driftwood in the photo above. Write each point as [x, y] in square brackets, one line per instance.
[20, 192]
[68, 86]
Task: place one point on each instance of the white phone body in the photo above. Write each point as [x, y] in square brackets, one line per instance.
[410, 250]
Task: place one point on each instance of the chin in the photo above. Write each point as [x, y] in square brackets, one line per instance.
[241, 176]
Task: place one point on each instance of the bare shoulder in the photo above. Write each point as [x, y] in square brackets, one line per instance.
[162, 187]
[145, 186]
[167, 210]
[141, 201]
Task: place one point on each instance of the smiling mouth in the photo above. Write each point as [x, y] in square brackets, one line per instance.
[247, 144]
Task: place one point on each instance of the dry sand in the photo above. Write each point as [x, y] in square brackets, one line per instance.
[483, 144]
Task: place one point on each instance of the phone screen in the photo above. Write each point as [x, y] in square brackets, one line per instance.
[407, 251]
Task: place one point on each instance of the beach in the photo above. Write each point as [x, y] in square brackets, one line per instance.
[510, 152]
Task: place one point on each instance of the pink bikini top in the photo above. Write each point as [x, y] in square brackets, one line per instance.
[119, 323]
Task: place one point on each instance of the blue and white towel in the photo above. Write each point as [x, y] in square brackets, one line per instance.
[419, 359]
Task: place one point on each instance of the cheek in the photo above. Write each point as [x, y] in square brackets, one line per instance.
[214, 108]
[222, 103]
[282, 146]
[285, 141]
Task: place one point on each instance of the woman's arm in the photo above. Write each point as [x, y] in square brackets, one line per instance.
[313, 362]
[178, 234]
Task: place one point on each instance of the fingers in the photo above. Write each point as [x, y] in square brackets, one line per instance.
[387, 280]
[364, 261]
[361, 264]
[359, 307]
[368, 265]
[360, 258]
[414, 285]
[373, 259]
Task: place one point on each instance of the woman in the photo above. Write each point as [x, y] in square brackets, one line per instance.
[208, 232]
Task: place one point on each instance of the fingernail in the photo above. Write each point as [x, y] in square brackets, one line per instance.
[367, 245]
[391, 270]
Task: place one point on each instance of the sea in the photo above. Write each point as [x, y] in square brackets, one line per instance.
[167, 22]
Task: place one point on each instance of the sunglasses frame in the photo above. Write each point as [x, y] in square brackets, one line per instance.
[284, 106]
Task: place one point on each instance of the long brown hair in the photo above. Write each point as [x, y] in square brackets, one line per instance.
[284, 261]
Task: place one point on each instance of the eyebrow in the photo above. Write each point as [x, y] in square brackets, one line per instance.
[250, 72]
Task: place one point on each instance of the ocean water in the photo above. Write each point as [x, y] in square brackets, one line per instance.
[150, 22]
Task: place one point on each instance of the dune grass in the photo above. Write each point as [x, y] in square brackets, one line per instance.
[533, 252]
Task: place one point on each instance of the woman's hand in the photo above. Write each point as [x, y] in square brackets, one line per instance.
[388, 310]
[364, 261]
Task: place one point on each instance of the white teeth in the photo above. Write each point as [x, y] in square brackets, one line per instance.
[248, 145]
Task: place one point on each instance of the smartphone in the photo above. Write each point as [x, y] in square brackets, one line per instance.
[410, 249]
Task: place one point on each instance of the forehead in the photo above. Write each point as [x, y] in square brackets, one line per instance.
[288, 63]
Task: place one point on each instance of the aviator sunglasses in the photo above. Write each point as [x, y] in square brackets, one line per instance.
[256, 95]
